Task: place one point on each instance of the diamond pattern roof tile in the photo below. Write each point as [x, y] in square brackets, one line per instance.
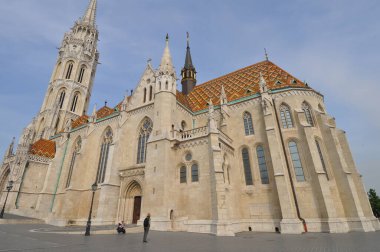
[44, 148]
[238, 84]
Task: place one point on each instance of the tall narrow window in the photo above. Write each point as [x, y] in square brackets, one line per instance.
[248, 126]
[182, 174]
[166, 85]
[307, 110]
[322, 159]
[56, 126]
[262, 165]
[103, 159]
[144, 133]
[77, 147]
[61, 99]
[74, 103]
[69, 71]
[296, 161]
[247, 167]
[150, 93]
[286, 118]
[144, 100]
[194, 173]
[81, 74]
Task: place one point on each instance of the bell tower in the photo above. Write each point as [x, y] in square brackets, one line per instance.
[71, 82]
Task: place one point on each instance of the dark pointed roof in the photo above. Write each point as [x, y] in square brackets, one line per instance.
[188, 61]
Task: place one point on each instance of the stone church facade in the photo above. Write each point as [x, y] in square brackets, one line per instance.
[255, 148]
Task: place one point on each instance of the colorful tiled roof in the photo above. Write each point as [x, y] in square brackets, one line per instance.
[44, 148]
[79, 121]
[238, 84]
[104, 112]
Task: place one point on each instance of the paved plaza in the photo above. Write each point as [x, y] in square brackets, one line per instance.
[40, 237]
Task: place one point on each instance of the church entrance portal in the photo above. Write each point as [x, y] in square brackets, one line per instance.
[130, 211]
[136, 209]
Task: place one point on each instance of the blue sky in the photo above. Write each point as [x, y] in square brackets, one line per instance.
[333, 45]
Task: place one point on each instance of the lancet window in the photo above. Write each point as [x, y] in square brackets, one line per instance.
[297, 165]
[307, 110]
[144, 133]
[248, 125]
[286, 118]
[247, 167]
[103, 159]
[262, 165]
[69, 70]
[74, 103]
[77, 147]
[321, 157]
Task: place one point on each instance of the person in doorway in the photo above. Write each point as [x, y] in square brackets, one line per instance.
[121, 228]
[146, 227]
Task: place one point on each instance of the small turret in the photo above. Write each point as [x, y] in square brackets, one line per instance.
[188, 72]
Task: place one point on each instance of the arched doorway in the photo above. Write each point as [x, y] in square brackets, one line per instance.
[132, 203]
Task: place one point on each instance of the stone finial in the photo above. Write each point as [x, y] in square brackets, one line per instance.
[223, 96]
[211, 121]
[9, 151]
[93, 115]
[263, 84]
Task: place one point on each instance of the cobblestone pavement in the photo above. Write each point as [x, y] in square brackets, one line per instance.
[19, 238]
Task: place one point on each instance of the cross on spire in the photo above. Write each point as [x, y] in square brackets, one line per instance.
[266, 54]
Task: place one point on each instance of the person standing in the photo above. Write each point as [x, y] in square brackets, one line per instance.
[146, 227]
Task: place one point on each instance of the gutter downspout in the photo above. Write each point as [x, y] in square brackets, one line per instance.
[288, 169]
[59, 173]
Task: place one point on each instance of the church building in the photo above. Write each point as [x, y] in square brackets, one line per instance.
[255, 149]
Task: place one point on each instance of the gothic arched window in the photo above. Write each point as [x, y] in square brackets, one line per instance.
[182, 174]
[307, 110]
[297, 165]
[262, 165]
[77, 147]
[248, 126]
[194, 173]
[69, 70]
[103, 159]
[321, 157]
[74, 103]
[144, 95]
[81, 74]
[247, 167]
[286, 118]
[150, 93]
[144, 133]
[61, 99]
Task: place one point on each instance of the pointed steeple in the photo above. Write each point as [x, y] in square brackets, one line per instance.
[188, 61]
[166, 66]
[90, 15]
[188, 71]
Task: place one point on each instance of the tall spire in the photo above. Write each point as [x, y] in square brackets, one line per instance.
[188, 71]
[166, 65]
[188, 61]
[90, 15]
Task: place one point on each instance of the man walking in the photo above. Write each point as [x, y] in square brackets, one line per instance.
[146, 227]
